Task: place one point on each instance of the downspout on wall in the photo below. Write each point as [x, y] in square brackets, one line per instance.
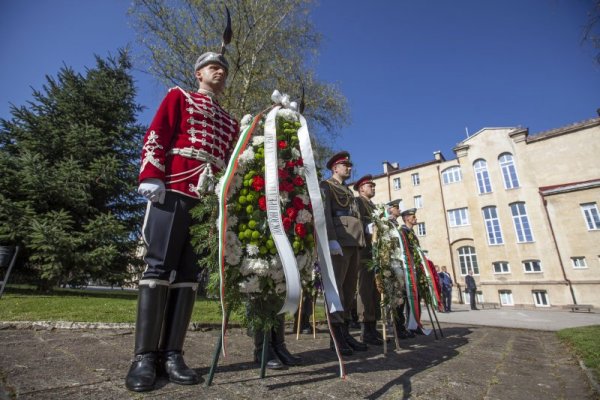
[562, 267]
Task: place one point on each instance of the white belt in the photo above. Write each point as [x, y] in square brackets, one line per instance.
[197, 154]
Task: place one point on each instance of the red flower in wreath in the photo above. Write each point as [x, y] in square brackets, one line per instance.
[282, 144]
[262, 203]
[286, 186]
[287, 223]
[290, 164]
[298, 203]
[258, 183]
[298, 181]
[283, 174]
[292, 213]
[300, 230]
[299, 162]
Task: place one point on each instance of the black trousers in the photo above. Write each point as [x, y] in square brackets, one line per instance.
[473, 293]
[166, 233]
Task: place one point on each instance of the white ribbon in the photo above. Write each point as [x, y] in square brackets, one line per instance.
[329, 285]
[282, 243]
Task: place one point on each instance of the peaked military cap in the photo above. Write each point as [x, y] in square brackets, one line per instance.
[410, 211]
[394, 203]
[339, 158]
[363, 181]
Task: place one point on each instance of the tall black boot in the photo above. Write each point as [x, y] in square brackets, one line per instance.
[278, 340]
[368, 334]
[400, 322]
[338, 333]
[355, 344]
[273, 361]
[180, 305]
[152, 297]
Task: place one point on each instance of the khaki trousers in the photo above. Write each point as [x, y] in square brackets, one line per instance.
[345, 268]
[368, 296]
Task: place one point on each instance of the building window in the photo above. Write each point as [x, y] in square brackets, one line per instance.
[509, 172]
[458, 217]
[415, 179]
[401, 205]
[578, 262]
[492, 225]
[421, 229]
[501, 267]
[592, 218]
[468, 260]
[506, 298]
[483, 177]
[540, 298]
[451, 175]
[397, 185]
[531, 266]
[522, 227]
[418, 201]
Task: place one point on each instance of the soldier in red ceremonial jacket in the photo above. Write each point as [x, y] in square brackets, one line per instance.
[190, 137]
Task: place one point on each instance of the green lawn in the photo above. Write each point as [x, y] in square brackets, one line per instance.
[20, 303]
[585, 342]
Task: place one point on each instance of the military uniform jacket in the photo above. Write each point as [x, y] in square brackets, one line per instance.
[366, 208]
[189, 131]
[342, 217]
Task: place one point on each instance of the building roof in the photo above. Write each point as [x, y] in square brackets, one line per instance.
[564, 130]
[569, 187]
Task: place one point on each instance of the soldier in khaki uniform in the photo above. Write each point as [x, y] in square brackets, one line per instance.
[346, 238]
[368, 296]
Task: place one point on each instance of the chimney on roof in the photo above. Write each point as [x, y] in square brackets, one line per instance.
[438, 156]
[389, 167]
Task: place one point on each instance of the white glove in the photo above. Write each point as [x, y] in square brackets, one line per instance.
[335, 248]
[369, 229]
[153, 189]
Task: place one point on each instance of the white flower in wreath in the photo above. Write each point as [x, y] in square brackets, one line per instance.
[252, 250]
[281, 163]
[299, 171]
[303, 217]
[246, 157]
[305, 199]
[296, 153]
[280, 288]
[258, 140]
[233, 248]
[284, 197]
[250, 285]
[387, 273]
[232, 220]
[277, 274]
[259, 266]
[287, 114]
[246, 122]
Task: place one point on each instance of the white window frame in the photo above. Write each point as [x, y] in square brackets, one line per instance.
[591, 216]
[504, 267]
[418, 200]
[506, 297]
[467, 259]
[482, 176]
[531, 265]
[521, 223]
[462, 214]
[421, 229]
[451, 175]
[540, 297]
[397, 183]
[579, 262]
[416, 180]
[509, 171]
[492, 226]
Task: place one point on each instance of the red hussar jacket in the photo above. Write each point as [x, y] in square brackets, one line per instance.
[190, 134]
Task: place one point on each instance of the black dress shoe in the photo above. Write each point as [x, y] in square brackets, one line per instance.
[142, 373]
[343, 347]
[355, 344]
[175, 368]
[273, 361]
[285, 356]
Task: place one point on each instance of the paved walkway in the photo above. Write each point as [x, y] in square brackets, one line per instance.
[472, 361]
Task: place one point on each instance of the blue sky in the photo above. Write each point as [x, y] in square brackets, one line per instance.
[416, 73]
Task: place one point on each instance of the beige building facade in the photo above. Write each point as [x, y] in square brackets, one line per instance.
[521, 210]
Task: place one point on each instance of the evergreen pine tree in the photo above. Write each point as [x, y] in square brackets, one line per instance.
[69, 161]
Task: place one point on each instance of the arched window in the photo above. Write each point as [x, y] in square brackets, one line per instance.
[467, 260]
[451, 175]
[483, 177]
[509, 171]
